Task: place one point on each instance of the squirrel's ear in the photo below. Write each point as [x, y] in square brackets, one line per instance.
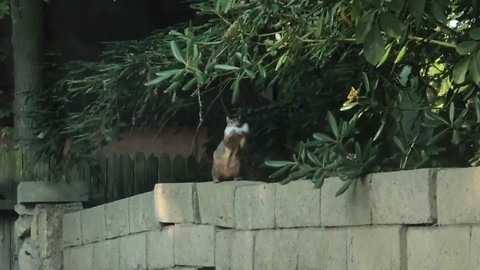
[228, 118]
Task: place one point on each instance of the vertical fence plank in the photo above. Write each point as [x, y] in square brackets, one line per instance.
[99, 185]
[164, 169]
[111, 178]
[192, 169]
[152, 172]
[5, 235]
[140, 173]
[179, 169]
[5, 184]
[127, 175]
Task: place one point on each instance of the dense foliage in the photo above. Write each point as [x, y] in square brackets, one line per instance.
[381, 85]
[5, 109]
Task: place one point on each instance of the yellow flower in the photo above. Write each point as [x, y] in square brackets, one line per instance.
[353, 94]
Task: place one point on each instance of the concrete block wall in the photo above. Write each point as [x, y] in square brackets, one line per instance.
[419, 219]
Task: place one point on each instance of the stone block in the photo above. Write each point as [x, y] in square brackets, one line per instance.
[142, 213]
[52, 192]
[133, 252]
[195, 245]
[93, 224]
[276, 249]
[430, 248]
[404, 197]
[255, 207]
[106, 254]
[351, 208]
[117, 219]
[474, 259]
[160, 248]
[78, 258]
[458, 199]
[216, 202]
[322, 249]
[376, 247]
[176, 203]
[297, 204]
[234, 250]
[72, 229]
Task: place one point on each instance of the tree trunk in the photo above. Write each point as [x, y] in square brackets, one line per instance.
[27, 42]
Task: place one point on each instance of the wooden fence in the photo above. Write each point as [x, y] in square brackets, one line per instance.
[116, 177]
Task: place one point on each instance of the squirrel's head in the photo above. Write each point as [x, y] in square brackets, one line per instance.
[233, 122]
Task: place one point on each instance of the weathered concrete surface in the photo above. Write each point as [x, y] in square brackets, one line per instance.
[160, 248]
[176, 203]
[72, 229]
[54, 192]
[376, 247]
[117, 219]
[458, 196]
[474, 258]
[297, 204]
[93, 224]
[276, 249]
[404, 197]
[322, 249]
[78, 258]
[133, 252]
[351, 208]
[216, 202]
[142, 213]
[432, 248]
[106, 254]
[255, 207]
[195, 245]
[234, 249]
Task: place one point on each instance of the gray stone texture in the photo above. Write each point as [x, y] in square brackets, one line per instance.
[458, 196]
[432, 248]
[404, 197]
[297, 204]
[376, 247]
[133, 252]
[52, 192]
[117, 219]
[106, 254]
[160, 248]
[216, 202]
[322, 248]
[234, 249]
[276, 249]
[351, 208]
[176, 203]
[195, 245]
[93, 224]
[255, 207]
[142, 213]
[78, 258]
[72, 229]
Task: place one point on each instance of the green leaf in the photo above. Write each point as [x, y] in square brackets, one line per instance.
[451, 113]
[344, 187]
[236, 90]
[475, 33]
[173, 87]
[163, 75]
[418, 8]
[460, 70]
[456, 137]
[477, 108]
[176, 51]
[279, 172]
[322, 137]
[401, 54]
[399, 144]
[363, 27]
[374, 46]
[225, 67]
[466, 47]
[474, 68]
[189, 85]
[277, 163]
[394, 5]
[391, 25]
[385, 55]
[333, 124]
[438, 12]
[319, 182]
[366, 81]
[223, 5]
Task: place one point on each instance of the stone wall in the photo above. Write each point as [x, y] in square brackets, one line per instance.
[421, 219]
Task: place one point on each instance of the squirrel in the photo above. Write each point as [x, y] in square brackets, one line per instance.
[226, 158]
